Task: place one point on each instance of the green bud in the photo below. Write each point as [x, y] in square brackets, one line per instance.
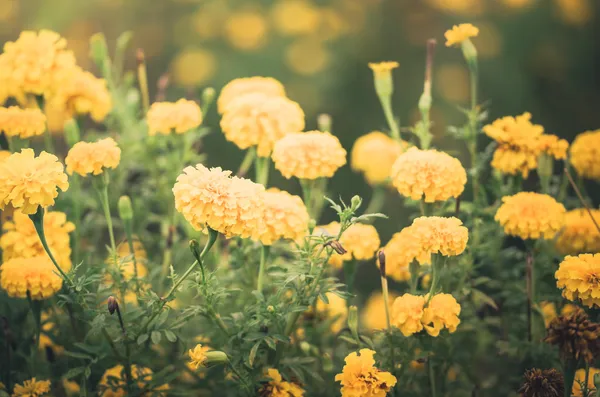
[215, 357]
[353, 321]
[324, 122]
[208, 96]
[196, 250]
[356, 202]
[123, 40]
[125, 208]
[470, 53]
[72, 134]
[311, 225]
[98, 48]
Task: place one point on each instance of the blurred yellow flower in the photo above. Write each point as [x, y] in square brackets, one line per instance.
[336, 309]
[198, 355]
[277, 387]
[579, 234]
[585, 152]
[307, 56]
[193, 66]
[360, 377]
[459, 7]
[460, 33]
[373, 314]
[407, 312]
[548, 312]
[4, 154]
[575, 12]
[180, 116]
[93, 158]
[374, 155]
[285, 217]
[579, 278]
[400, 251]
[112, 383]
[568, 309]
[71, 387]
[246, 30]
[27, 182]
[32, 388]
[441, 312]
[35, 276]
[24, 123]
[295, 17]
[439, 235]
[261, 120]
[360, 241]
[452, 82]
[46, 342]
[308, 155]
[125, 260]
[518, 3]
[531, 215]
[580, 376]
[248, 85]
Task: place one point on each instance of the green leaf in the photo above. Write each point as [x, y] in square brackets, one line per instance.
[142, 338]
[73, 372]
[170, 335]
[271, 343]
[155, 337]
[82, 356]
[253, 351]
[480, 298]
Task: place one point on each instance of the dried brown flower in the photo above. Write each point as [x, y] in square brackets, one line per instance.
[575, 335]
[543, 383]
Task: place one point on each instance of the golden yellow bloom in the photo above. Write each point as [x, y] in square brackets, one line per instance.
[548, 311]
[198, 355]
[336, 309]
[407, 312]
[373, 314]
[436, 234]
[460, 33]
[531, 215]
[360, 377]
[580, 379]
[112, 383]
[374, 155]
[308, 155]
[568, 309]
[579, 234]
[585, 152]
[400, 251]
[48, 343]
[71, 387]
[285, 217]
[180, 116]
[360, 242]
[20, 239]
[435, 175]
[579, 278]
[24, 123]
[261, 120]
[27, 181]
[277, 387]
[442, 311]
[35, 275]
[32, 388]
[211, 197]
[248, 85]
[4, 154]
[93, 158]
[383, 69]
[125, 260]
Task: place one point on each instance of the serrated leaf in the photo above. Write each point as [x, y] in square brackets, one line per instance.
[170, 335]
[142, 338]
[253, 352]
[156, 337]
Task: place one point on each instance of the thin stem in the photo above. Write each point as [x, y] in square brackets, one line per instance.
[377, 200]
[350, 268]
[414, 276]
[585, 389]
[76, 183]
[394, 125]
[36, 313]
[530, 284]
[264, 256]
[388, 321]
[218, 320]
[262, 166]
[246, 162]
[106, 209]
[580, 196]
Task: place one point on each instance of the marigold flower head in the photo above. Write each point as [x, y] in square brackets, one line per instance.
[579, 278]
[580, 376]
[112, 383]
[261, 120]
[400, 251]
[374, 155]
[435, 175]
[441, 312]
[285, 217]
[24, 123]
[32, 388]
[93, 158]
[4, 154]
[383, 67]
[543, 383]
[446, 236]
[180, 116]
[407, 312]
[36, 276]
[373, 314]
[20, 239]
[28, 182]
[360, 377]
[277, 387]
[125, 260]
[211, 197]
[585, 152]
[308, 155]
[576, 336]
[579, 234]
[460, 33]
[530, 215]
[248, 85]
[360, 241]
[198, 355]
[548, 312]
[336, 309]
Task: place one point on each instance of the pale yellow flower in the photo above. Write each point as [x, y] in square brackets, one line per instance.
[93, 158]
[285, 217]
[407, 311]
[248, 85]
[198, 355]
[24, 123]
[277, 387]
[439, 235]
[32, 388]
[579, 234]
[374, 155]
[180, 116]
[460, 33]
[360, 241]
[400, 251]
[373, 313]
[360, 377]
[35, 276]
[580, 375]
[441, 312]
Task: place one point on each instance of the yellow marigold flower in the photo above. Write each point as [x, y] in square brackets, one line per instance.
[400, 251]
[435, 175]
[383, 67]
[579, 234]
[436, 234]
[112, 383]
[579, 278]
[553, 146]
[27, 181]
[277, 387]
[308, 155]
[198, 355]
[531, 215]
[360, 377]
[585, 152]
[93, 158]
[35, 275]
[180, 116]
[373, 314]
[548, 312]
[4, 154]
[261, 120]
[336, 309]
[460, 33]
[211, 197]
[125, 260]
[285, 217]
[407, 312]
[360, 242]
[510, 161]
[32, 388]
[568, 309]
[46, 342]
[20, 239]
[71, 387]
[374, 155]
[24, 123]
[580, 379]
[442, 311]
[248, 85]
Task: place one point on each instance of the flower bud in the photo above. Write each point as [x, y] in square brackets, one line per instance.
[98, 48]
[356, 202]
[72, 134]
[311, 225]
[270, 309]
[353, 321]
[195, 248]
[215, 357]
[208, 96]
[384, 84]
[337, 247]
[381, 257]
[112, 304]
[324, 122]
[123, 40]
[125, 208]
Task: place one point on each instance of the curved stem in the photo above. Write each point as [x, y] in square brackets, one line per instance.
[386, 104]
[377, 200]
[246, 162]
[106, 209]
[264, 256]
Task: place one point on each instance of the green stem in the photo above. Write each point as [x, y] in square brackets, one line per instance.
[48, 143]
[307, 192]
[350, 268]
[247, 162]
[386, 104]
[414, 276]
[530, 284]
[264, 256]
[569, 368]
[106, 209]
[437, 263]
[377, 200]
[76, 183]
[431, 377]
[36, 312]
[585, 388]
[218, 320]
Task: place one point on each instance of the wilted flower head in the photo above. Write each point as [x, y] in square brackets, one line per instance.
[439, 235]
[24, 123]
[36, 276]
[248, 85]
[374, 155]
[336, 309]
[112, 383]
[28, 182]
[277, 387]
[180, 116]
[32, 388]
[579, 234]
[585, 152]
[198, 355]
[261, 120]
[360, 377]
[308, 155]
[407, 312]
[579, 278]
[460, 33]
[434, 175]
[575, 335]
[543, 383]
[93, 158]
[441, 312]
[531, 215]
[360, 241]
[285, 217]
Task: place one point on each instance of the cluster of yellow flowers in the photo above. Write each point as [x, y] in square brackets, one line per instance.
[285, 217]
[360, 241]
[585, 152]
[180, 116]
[277, 387]
[413, 313]
[86, 158]
[24, 123]
[579, 234]
[374, 155]
[32, 388]
[579, 278]
[360, 376]
[35, 277]
[112, 383]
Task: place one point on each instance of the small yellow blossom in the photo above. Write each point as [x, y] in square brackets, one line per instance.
[360, 242]
[125, 260]
[460, 33]
[261, 120]
[28, 182]
[442, 311]
[579, 278]
[439, 235]
[585, 152]
[579, 234]
[180, 116]
[285, 217]
[198, 355]
[383, 69]
[374, 155]
[308, 155]
[87, 158]
[46, 342]
[407, 312]
[568, 309]
[580, 375]
[360, 377]
[36, 276]
[548, 312]
[71, 387]
[373, 314]
[434, 175]
[531, 215]
[277, 387]
[400, 251]
[112, 383]
[24, 123]
[248, 85]
[336, 309]
[32, 388]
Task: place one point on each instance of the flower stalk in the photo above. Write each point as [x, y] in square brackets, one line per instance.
[264, 257]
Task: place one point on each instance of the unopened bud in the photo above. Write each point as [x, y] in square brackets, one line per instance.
[98, 48]
[215, 357]
[353, 321]
[356, 202]
[125, 208]
[139, 56]
[208, 96]
[324, 122]
[311, 225]
[384, 83]
[381, 257]
[123, 40]
[72, 134]
[270, 309]
[337, 246]
[112, 304]
[195, 248]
